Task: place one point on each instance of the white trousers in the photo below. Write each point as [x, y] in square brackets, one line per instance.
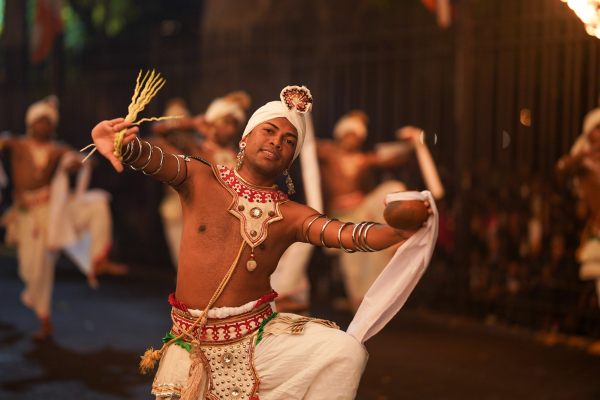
[28, 229]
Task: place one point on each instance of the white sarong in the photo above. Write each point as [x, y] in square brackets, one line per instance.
[320, 363]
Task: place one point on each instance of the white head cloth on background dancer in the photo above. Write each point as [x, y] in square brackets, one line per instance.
[234, 104]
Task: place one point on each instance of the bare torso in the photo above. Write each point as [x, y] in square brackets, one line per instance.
[343, 172]
[211, 240]
[33, 163]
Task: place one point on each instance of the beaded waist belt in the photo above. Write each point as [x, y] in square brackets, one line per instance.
[220, 331]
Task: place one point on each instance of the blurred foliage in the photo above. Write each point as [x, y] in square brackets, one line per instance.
[89, 23]
[107, 17]
[2, 5]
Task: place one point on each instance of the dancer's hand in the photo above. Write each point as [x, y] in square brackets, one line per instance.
[410, 133]
[103, 136]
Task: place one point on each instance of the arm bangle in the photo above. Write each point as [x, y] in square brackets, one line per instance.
[187, 160]
[162, 158]
[323, 231]
[149, 158]
[308, 227]
[178, 170]
[364, 238]
[358, 235]
[354, 236]
[128, 151]
[139, 153]
[340, 238]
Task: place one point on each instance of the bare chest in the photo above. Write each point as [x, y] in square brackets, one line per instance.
[33, 168]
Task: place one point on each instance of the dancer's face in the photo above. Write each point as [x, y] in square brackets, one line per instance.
[41, 129]
[271, 145]
[225, 130]
[351, 141]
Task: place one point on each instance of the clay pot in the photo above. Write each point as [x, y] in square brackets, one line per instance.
[406, 214]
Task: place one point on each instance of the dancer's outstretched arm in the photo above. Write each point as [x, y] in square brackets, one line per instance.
[408, 217]
[141, 155]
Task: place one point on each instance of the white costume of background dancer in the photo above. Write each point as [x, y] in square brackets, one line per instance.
[52, 218]
[359, 271]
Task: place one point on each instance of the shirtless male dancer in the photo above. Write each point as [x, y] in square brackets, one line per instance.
[226, 338]
[344, 170]
[46, 218]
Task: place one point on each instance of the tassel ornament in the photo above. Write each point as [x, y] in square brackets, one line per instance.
[149, 360]
[195, 383]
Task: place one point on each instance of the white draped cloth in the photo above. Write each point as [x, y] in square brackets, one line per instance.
[290, 279]
[390, 291]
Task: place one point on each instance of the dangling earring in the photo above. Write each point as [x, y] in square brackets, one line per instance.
[289, 183]
[240, 157]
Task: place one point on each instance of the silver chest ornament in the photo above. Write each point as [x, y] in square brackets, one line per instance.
[256, 207]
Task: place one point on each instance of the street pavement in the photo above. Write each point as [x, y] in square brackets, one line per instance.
[100, 335]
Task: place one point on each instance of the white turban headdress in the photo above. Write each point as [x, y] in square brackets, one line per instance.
[234, 104]
[591, 120]
[47, 107]
[295, 102]
[177, 107]
[355, 121]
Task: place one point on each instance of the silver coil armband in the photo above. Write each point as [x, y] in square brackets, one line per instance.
[359, 236]
[147, 161]
[309, 225]
[162, 159]
[339, 237]
[323, 231]
[178, 171]
[130, 151]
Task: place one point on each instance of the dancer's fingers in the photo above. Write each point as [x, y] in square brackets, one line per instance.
[115, 121]
[115, 162]
[131, 132]
[122, 125]
[129, 136]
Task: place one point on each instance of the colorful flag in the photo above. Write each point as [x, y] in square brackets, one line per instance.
[442, 9]
[47, 25]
